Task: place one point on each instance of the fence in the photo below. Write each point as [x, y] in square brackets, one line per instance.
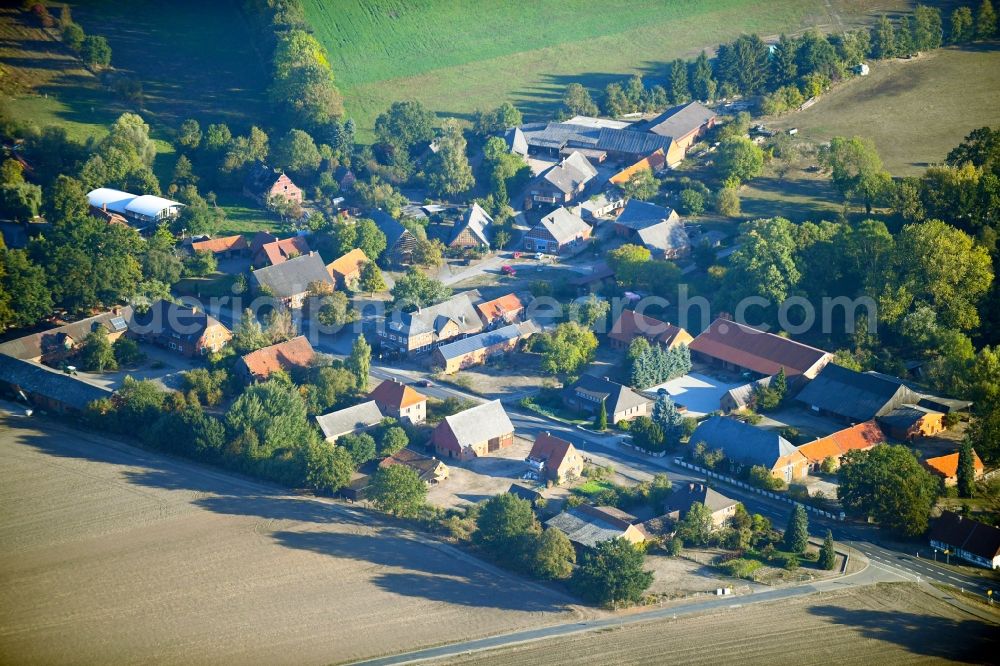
[759, 491]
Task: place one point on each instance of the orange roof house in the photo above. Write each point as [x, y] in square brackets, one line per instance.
[653, 162]
[860, 437]
[946, 467]
[506, 309]
[555, 458]
[400, 401]
[346, 270]
[225, 245]
[258, 365]
[631, 325]
[279, 251]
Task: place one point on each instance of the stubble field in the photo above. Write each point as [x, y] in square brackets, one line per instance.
[112, 555]
[883, 624]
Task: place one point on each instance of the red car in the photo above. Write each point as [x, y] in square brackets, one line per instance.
[508, 270]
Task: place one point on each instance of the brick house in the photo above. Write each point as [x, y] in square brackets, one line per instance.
[400, 401]
[278, 251]
[744, 445]
[555, 459]
[860, 437]
[264, 184]
[631, 325]
[289, 281]
[58, 344]
[258, 365]
[946, 467]
[501, 311]
[185, 330]
[558, 232]
[346, 270]
[473, 433]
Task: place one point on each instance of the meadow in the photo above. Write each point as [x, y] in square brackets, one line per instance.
[915, 110]
[456, 60]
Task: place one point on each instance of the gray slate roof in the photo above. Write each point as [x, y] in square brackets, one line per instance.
[631, 142]
[482, 422]
[903, 417]
[741, 442]
[293, 276]
[460, 308]
[588, 526]
[680, 120]
[38, 344]
[563, 225]
[487, 339]
[477, 221]
[388, 225]
[568, 134]
[571, 173]
[617, 398]
[658, 227]
[57, 386]
[516, 142]
[683, 497]
[857, 396]
[351, 419]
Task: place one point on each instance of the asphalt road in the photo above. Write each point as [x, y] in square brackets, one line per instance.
[904, 565]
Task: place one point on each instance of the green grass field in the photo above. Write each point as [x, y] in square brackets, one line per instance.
[457, 57]
[194, 59]
[915, 110]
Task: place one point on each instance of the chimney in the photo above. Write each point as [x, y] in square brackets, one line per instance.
[104, 206]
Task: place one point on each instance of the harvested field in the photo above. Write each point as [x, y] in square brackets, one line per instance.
[110, 555]
[915, 110]
[883, 624]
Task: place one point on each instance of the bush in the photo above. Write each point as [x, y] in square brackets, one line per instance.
[692, 202]
[761, 477]
[741, 568]
[127, 351]
[950, 420]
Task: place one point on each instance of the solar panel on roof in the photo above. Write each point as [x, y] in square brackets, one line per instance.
[118, 323]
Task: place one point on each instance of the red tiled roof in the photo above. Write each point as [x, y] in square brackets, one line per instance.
[216, 245]
[755, 350]
[856, 438]
[652, 162]
[260, 239]
[282, 250]
[947, 466]
[348, 264]
[631, 324]
[499, 307]
[396, 394]
[551, 449]
[296, 352]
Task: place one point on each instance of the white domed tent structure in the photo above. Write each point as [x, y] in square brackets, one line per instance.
[142, 210]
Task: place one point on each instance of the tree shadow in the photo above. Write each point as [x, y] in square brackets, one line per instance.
[968, 641]
[425, 574]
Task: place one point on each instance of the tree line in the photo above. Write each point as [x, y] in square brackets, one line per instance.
[788, 72]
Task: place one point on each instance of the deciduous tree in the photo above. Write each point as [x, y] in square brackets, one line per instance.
[612, 572]
[398, 490]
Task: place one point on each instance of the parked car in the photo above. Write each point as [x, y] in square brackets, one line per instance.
[516, 255]
[507, 269]
[423, 383]
[539, 255]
